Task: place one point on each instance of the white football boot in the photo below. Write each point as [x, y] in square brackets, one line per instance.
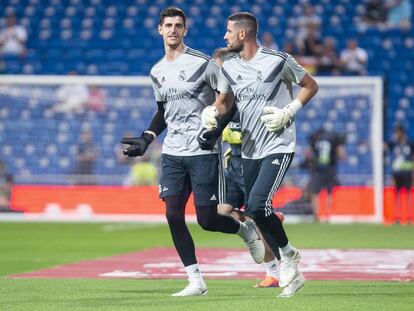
[293, 287]
[289, 268]
[248, 233]
[193, 289]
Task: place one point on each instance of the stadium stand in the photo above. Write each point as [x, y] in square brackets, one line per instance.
[114, 38]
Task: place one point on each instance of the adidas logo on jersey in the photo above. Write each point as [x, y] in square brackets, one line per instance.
[213, 197]
[276, 162]
[163, 79]
[239, 77]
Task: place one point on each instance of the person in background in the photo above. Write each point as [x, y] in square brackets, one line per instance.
[72, 97]
[321, 158]
[399, 14]
[402, 159]
[328, 59]
[353, 59]
[86, 156]
[13, 38]
[6, 182]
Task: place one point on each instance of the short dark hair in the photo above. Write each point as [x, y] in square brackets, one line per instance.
[172, 11]
[247, 21]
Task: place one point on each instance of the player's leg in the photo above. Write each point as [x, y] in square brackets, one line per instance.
[271, 171]
[174, 190]
[204, 173]
[235, 196]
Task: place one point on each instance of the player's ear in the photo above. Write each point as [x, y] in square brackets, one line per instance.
[242, 34]
[159, 30]
[185, 32]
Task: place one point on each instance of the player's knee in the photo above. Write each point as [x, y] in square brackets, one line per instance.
[256, 206]
[174, 217]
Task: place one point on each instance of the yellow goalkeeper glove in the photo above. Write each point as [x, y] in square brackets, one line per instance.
[232, 137]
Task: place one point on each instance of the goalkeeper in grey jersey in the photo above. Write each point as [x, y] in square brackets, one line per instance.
[184, 83]
[259, 81]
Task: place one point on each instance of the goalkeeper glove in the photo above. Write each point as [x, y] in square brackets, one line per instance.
[208, 138]
[209, 117]
[275, 118]
[138, 145]
[232, 137]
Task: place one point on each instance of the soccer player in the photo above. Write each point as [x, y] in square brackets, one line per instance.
[184, 83]
[402, 152]
[235, 190]
[259, 81]
[321, 158]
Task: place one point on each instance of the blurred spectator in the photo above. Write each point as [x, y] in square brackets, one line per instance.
[86, 156]
[308, 20]
[353, 59]
[13, 38]
[268, 41]
[96, 100]
[143, 172]
[402, 154]
[290, 48]
[311, 45]
[399, 14]
[72, 97]
[321, 159]
[309, 49]
[375, 14]
[328, 63]
[6, 181]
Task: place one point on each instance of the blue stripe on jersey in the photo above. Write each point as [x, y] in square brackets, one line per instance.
[275, 90]
[231, 81]
[275, 72]
[155, 80]
[198, 73]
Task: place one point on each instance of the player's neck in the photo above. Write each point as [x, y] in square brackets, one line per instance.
[249, 51]
[172, 53]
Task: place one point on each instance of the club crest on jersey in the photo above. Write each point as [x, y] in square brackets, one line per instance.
[182, 75]
[259, 76]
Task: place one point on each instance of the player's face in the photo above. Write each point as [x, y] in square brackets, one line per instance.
[172, 31]
[233, 38]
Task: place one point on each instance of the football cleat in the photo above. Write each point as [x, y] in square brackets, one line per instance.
[293, 287]
[253, 241]
[289, 268]
[269, 281]
[192, 289]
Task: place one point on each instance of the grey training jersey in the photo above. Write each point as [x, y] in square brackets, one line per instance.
[265, 80]
[186, 86]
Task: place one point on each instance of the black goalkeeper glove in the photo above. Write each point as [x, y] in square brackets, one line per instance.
[208, 138]
[138, 145]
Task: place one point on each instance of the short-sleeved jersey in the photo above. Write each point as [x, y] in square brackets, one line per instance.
[402, 156]
[265, 80]
[186, 86]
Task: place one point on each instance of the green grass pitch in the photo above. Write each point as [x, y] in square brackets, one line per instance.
[26, 247]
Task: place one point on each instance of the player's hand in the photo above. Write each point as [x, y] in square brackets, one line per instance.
[208, 138]
[138, 145]
[274, 118]
[209, 117]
